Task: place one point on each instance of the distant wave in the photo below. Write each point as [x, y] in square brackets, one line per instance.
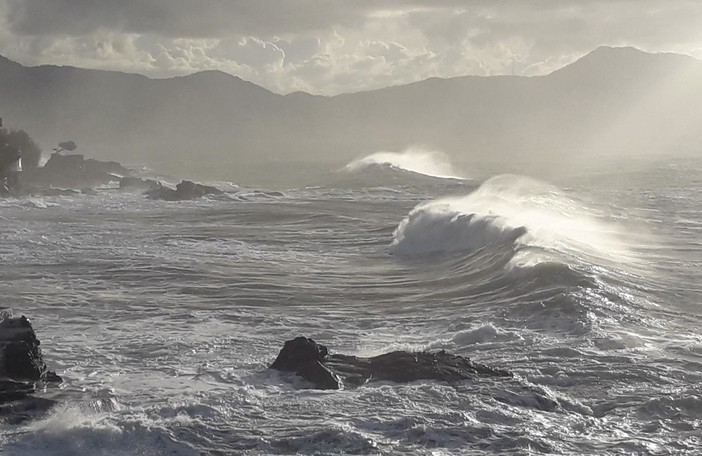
[416, 160]
[508, 209]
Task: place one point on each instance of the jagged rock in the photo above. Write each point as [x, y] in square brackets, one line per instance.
[186, 190]
[305, 357]
[311, 361]
[21, 361]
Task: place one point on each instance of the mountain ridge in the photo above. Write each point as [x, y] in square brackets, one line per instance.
[594, 54]
[211, 123]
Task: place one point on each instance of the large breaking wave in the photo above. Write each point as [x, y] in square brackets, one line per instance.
[553, 262]
[509, 209]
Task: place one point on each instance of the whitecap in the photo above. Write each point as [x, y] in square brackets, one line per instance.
[542, 224]
[415, 159]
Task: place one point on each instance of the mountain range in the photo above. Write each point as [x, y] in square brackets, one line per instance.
[612, 101]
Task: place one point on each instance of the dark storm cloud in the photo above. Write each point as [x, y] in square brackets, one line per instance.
[180, 18]
[214, 18]
[331, 46]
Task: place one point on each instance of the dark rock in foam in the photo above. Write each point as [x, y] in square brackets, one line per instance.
[312, 361]
[21, 363]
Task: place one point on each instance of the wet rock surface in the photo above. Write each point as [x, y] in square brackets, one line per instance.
[22, 370]
[312, 361]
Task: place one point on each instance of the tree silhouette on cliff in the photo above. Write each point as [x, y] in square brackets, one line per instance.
[15, 144]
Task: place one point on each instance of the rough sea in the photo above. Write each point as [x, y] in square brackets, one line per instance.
[162, 317]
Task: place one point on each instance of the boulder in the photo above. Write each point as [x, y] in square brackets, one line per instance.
[186, 190]
[312, 361]
[21, 361]
[305, 357]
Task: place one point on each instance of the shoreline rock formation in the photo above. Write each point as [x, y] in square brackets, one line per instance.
[68, 175]
[312, 362]
[22, 365]
[72, 171]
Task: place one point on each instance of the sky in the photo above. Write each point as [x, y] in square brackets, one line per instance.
[335, 46]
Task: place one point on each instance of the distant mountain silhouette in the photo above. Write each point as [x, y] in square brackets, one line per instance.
[613, 100]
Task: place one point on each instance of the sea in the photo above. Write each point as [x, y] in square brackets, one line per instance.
[163, 317]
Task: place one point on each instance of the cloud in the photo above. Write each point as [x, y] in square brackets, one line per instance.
[300, 49]
[249, 51]
[180, 18]
[332, 46]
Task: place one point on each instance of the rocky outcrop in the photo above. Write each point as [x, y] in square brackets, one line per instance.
[21, 363]
[186, 190]
[312, 361]
[72, 171]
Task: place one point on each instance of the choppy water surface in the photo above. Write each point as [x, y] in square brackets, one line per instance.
[162, 317]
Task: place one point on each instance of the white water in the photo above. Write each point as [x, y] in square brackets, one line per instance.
[414, 159]
[163, 317]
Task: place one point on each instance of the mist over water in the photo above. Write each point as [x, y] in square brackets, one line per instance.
[163, 316]
[414, 159]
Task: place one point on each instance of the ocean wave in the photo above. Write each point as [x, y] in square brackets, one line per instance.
[440, 228]
[71, 430]
[478, 335]
[416, 160]
[37, 203]
[684, 406]
[540, 221]
[329, 439]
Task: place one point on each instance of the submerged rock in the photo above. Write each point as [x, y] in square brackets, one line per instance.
[21, 363]
[186, 190]
[312, 361]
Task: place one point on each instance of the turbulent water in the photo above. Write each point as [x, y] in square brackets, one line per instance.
[162, 317]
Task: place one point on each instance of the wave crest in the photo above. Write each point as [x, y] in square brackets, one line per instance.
[415, 159]
[508, 209]
[441, 228]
